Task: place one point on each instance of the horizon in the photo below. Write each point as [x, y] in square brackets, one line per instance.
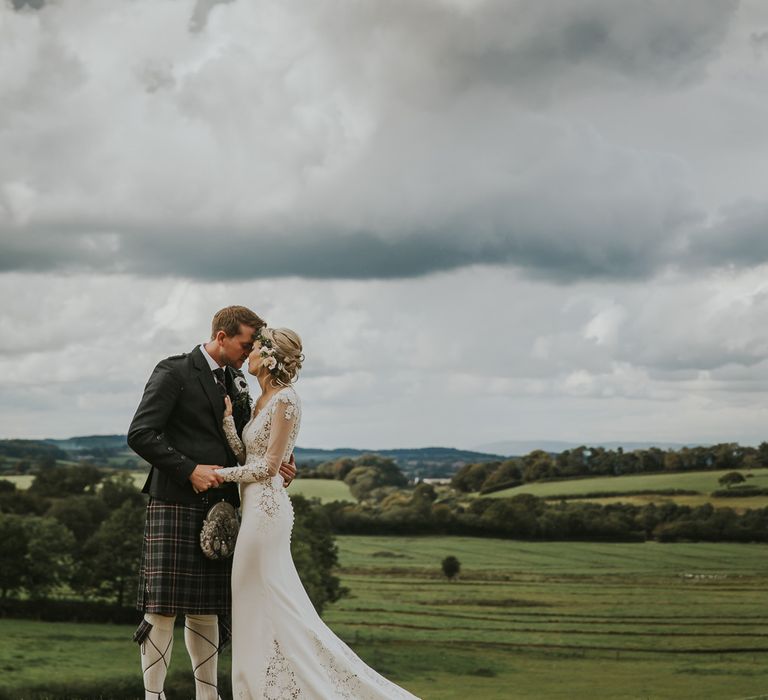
[546, 445]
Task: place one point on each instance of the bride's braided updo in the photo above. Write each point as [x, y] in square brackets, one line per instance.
[281, 354]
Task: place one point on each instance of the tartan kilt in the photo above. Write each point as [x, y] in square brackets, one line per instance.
[175, 576]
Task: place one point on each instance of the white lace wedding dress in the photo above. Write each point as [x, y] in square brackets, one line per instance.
[280, 646]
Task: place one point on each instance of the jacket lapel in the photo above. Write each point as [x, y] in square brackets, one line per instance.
[206, 378]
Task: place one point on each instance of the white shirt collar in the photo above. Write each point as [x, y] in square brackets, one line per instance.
[211, 362]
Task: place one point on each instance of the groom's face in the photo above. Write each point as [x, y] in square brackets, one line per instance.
[236, 348]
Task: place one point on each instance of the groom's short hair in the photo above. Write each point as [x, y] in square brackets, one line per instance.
[230, 318]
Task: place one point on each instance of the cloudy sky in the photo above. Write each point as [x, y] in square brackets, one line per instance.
[488, 219]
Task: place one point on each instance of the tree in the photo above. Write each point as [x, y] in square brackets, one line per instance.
[22, 466]
[48, 560]
[539, 465]
[60, 481]
[314, 553]
[424, 492]
[373, 472]
[13, 545]
[35, 554]
[118, 489]
[730, 478]
[471, 477]
[22, 502]
[451, 567]
[507, 475]
[82, 515]
[110, 559]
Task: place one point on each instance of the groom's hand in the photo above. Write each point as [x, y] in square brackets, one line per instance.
[288, 471]
[204, 477]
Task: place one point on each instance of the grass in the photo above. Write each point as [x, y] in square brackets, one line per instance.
[702, 482]
[525, 619]
[22, 481]
[559, 620]
[326, 490]
[80, 661]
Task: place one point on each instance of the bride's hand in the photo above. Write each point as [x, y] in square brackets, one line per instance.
[227, 406]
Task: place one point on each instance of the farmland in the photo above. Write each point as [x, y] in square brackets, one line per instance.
[703, 482]
[524, 620]
[324, 489]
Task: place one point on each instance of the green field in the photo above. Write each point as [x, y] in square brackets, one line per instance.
[22, 481]
[525, 620]
[703, 482]
[326, 490]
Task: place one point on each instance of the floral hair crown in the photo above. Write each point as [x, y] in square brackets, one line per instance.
[268, 353]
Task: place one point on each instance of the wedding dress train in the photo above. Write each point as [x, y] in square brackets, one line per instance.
[280, 647]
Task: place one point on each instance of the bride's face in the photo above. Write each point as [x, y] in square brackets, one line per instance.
[254, 359]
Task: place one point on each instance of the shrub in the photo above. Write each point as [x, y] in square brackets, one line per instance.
[451, 567]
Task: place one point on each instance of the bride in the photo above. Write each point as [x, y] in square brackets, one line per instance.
[280, 646]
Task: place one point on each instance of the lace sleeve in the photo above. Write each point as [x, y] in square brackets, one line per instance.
[257, 470]
[283, 419]
[230, 430]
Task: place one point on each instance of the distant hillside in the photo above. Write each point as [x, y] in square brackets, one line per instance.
[113, 450]
[437, 455]
[90, 442]
[517, 448]
[422, 461]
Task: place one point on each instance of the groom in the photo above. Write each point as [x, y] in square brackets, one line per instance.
[178, 430]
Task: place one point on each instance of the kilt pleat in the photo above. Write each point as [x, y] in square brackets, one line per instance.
[175, 576]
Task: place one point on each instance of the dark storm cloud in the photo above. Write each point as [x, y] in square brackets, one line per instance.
[34, 4]
[540, 47]
[385, 139]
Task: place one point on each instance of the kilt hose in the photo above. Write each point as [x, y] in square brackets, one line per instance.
[175, 576]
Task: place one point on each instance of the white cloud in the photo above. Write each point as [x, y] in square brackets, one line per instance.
[448, 359]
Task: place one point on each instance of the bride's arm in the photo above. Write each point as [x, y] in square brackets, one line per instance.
[268, 465]
[230, 430]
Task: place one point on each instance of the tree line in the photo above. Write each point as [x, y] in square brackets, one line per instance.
[538, 465]
[386, 505]
[527, 517]
[78, 530]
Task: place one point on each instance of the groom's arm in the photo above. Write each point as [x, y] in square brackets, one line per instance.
[146, 435]
[288, 471]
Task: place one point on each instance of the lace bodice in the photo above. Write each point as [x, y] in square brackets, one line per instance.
[268, 438]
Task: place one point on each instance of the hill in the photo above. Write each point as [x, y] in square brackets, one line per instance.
[113, 450]
[421, 462]
[685, 488]
[90, 442]
[516, 448]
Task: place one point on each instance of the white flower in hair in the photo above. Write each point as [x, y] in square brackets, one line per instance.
[269, 363]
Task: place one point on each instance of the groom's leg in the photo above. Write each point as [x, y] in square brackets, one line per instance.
[201, 634]
[155, 635]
